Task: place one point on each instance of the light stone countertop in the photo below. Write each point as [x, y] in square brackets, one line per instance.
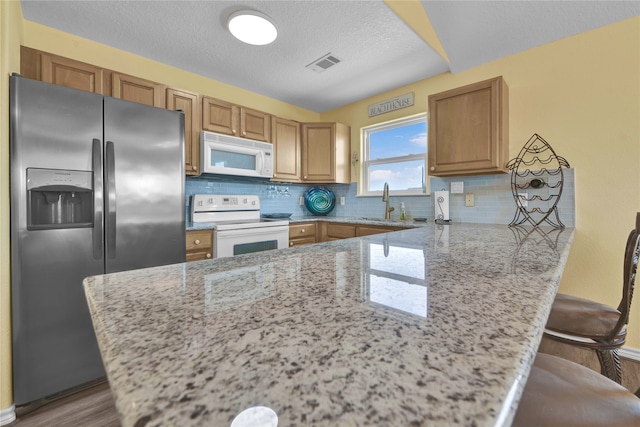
[432, 326]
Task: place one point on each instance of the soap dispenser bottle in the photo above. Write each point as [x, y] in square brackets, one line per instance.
[403, 215]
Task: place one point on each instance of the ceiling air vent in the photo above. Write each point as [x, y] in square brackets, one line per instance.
[324, 62]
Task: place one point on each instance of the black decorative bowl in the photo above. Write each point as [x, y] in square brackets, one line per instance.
[319, 200]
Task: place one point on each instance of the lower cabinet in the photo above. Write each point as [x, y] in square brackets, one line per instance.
[365, 230]
[335, 230]
[199, 245]
[302, 233]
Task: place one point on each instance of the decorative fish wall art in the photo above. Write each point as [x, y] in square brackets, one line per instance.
[536, 183]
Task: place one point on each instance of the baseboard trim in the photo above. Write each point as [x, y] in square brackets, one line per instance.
[7, 415]
[630, 353]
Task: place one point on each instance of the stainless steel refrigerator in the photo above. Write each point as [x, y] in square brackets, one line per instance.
[97, 186]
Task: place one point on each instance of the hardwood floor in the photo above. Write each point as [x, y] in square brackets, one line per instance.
[91, 407]
[95, 407]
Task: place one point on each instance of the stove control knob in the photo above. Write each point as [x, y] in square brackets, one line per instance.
[199, 202]
[245, 201]
[253, 202]
[210, 201]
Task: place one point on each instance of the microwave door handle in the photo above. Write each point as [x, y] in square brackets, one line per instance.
[260, 162]
[96, 160]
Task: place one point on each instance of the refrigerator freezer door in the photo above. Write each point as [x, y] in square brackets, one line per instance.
[144, 186]
[54, 346]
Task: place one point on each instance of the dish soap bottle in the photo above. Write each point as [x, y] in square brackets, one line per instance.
[402, 212]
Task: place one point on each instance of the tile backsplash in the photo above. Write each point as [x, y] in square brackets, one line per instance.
[494, 201]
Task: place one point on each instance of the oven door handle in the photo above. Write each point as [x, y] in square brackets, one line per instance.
[257, 231]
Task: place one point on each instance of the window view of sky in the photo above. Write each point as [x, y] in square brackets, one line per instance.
[397, 142]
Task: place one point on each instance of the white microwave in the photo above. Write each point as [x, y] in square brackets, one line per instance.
[231, 155]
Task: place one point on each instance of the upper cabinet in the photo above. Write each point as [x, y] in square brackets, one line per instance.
[255, 124]
[325, 153]
[61, 71]
[312, 152]
[285, 137]
[189, 103]
[469, 129]
[223, 117]
[138, 90]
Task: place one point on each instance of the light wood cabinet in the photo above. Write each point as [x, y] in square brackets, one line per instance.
[285, 137]
[61, 71]
[366, 230]
[199, 245]
[337, 230]
[189, 103]
[230, 119]
[220, 116]
[138, 90]
[255, 124]
[469, 129]
[325, 153]
[303, 233]
[67, 72]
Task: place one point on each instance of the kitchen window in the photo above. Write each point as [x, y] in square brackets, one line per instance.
[396, 153]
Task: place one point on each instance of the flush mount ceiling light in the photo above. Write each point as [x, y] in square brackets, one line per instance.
[252, 27]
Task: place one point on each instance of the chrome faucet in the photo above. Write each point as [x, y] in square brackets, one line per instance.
[385, 198]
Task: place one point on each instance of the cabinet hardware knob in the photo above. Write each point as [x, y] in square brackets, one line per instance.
[233, 131]
[290, 243]
[197, 242]
[433, 168]
[195, 168]
[305, 177]
[208, 255]
[303, 230]
[244, 133]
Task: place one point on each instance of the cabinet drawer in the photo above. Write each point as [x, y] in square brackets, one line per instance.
[302, 241]
[201, 240]
[198, 256]
[339, 231]
[302, 230]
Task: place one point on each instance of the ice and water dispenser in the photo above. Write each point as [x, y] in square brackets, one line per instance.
[59, 199]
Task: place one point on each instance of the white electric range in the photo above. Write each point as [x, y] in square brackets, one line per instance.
[237, 225]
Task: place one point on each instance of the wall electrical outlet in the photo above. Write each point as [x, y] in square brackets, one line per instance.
[341, 200]
[469, 200]
[301, 200]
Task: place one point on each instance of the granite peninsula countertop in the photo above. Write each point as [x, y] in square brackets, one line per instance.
[431, 326]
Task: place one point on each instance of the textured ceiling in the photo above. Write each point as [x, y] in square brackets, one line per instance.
[379, 51]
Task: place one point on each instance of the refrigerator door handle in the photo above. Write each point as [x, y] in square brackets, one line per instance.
[111, 200]
[96, 160]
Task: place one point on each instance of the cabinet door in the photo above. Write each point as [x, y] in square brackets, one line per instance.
[220, 116]
[137, 90]
[468, 129]
[255, 124]
[74, 74]
[318, 152]
[366, 230]
[336, 231]
[188, 102]
[285, 137]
